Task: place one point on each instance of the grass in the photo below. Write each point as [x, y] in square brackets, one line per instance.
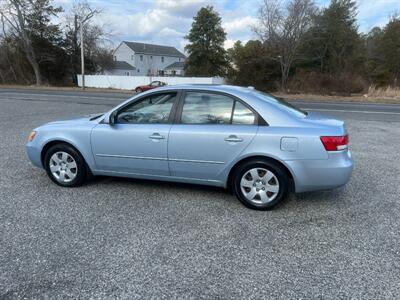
[388, 92]
[374, 95]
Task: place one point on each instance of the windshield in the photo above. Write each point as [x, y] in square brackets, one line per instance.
[284, 104]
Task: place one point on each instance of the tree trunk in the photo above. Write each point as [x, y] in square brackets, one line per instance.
[38, 75]
[285, 67]
[29, 51]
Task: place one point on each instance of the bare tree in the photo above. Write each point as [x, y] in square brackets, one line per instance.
[81, 13]
[282, 27]
[14, 13]
[98, 56]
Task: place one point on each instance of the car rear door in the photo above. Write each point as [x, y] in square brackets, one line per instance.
[212, 129]
[137, 141]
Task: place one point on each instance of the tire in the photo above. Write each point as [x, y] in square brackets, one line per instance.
[138, 90]
[65, 166]
[268, 189]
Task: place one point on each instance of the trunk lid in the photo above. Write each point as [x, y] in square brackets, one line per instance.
[331, 124]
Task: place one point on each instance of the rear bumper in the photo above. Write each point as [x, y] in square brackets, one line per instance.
[312, 175]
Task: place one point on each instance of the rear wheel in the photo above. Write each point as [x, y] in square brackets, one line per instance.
[65, 166]
[138, 90]
[260, 184]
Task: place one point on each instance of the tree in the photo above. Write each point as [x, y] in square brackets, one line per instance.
[334, 39]
[251, 67]
[376, 70]
[207, 56]
[82, 13]
[282, 27]
[389, 49]
[30, 24]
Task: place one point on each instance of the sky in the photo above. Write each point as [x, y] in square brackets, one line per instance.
[166, 22]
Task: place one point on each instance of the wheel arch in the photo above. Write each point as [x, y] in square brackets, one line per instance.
[51, 143]
[264, 158]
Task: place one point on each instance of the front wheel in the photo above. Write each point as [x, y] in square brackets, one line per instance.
[65, 166]
[260, 184]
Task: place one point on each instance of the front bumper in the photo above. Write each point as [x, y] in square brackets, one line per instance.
[34, 154]
[312, 175]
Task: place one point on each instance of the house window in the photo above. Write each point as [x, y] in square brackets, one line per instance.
[127, 73]
[141, 57]
[138, 70]
[162, 58]
[151, 57]
[132, 57]
[179, 59]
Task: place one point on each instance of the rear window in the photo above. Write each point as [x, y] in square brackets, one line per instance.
[283, 104]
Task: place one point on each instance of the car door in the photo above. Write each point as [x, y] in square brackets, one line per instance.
[137, 141]
[212, 130]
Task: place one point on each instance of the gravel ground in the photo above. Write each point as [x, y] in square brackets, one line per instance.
[119, 238]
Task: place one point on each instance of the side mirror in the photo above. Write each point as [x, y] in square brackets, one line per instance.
[111, 120]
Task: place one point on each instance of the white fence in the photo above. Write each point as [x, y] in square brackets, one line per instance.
[131, 82]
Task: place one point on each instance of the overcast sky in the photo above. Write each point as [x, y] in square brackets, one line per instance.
[166, 22]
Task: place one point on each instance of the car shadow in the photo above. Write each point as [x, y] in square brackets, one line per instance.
[160, 183]
[218, 193]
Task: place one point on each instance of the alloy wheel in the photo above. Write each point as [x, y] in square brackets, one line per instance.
[259, 185]
[63, 167]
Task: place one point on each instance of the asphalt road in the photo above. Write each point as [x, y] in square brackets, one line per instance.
[119, 238]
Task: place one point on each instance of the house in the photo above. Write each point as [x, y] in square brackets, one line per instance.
[121, 68]
[175, 69]
[146, 59]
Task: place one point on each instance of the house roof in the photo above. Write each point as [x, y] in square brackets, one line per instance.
[122, 65]
[176, 65]
[154, 49]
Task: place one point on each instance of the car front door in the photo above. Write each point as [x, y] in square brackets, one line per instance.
[212, 130]
[137, 140]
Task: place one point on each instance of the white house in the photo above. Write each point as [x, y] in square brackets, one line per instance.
[175, 69]
[147, 60]
[121, 68]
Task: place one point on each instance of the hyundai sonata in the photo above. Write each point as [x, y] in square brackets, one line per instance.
[259, 146]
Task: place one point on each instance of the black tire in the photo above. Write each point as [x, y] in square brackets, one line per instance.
[81, 169]
[276, 169]
[138, 90]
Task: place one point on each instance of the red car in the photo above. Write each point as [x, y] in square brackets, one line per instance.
[152, 85]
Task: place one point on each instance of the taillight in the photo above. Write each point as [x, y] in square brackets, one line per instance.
[335, 143]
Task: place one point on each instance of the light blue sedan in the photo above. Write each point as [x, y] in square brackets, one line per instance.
[259, 146]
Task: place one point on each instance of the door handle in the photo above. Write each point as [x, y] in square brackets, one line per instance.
[233, 139]
[156, 136]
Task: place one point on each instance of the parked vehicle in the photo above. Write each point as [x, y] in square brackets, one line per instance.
[152, 85]
[259, 146]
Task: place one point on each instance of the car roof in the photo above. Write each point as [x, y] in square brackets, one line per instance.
[210, 87]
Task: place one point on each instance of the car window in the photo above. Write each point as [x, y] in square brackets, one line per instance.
[242, 115]
[206, 108]
[283, 104]
[154, 83]
[151, 110]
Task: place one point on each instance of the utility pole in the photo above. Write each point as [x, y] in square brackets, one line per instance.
[82, 58]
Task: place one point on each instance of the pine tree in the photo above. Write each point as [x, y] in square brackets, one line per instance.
[335, 39]
[207, 56]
